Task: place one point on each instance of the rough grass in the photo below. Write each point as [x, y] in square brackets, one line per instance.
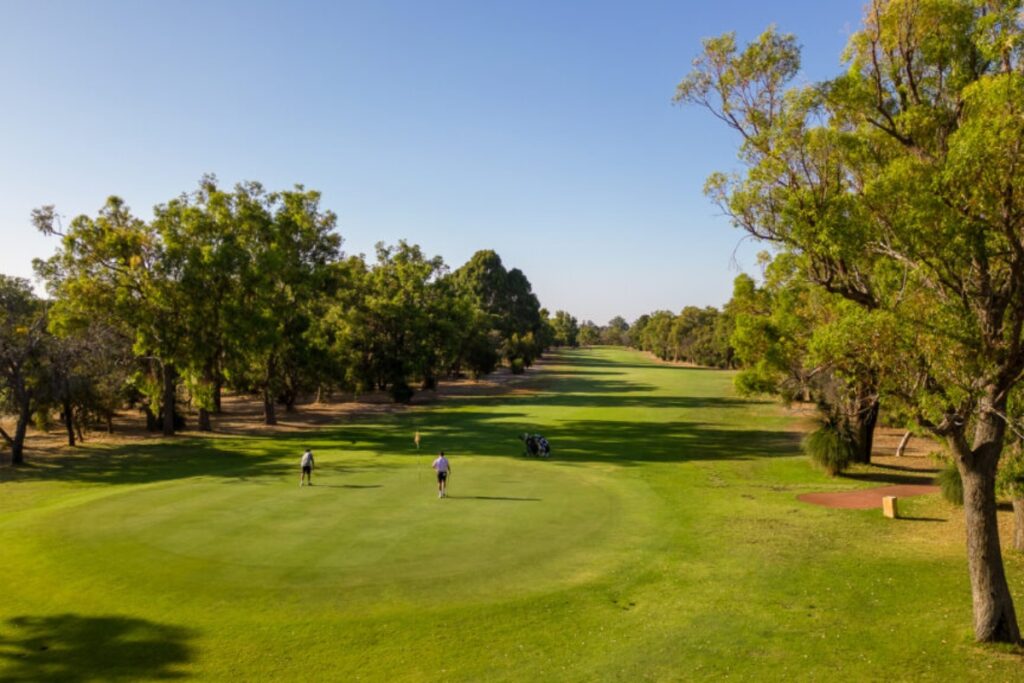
[663, 541]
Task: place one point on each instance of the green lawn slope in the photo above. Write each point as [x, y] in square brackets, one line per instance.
[662, 541]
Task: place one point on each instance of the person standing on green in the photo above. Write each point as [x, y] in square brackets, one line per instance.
[307, 468]
[443, 469]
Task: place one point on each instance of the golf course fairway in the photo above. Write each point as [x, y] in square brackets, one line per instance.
[662, 541]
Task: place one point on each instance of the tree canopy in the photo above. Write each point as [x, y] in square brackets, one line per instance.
[898, 185]
[245, 289]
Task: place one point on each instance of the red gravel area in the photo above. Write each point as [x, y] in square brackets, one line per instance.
[865, 499]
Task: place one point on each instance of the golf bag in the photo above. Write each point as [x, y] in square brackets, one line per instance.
[536, 445]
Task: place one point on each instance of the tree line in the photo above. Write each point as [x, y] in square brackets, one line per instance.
[700, 336]
[244, 290]
[893, 194]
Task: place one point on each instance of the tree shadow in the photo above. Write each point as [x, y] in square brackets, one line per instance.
[157, 461]
[483, 425]
[71, 647]
[511, 498]
[495, 434]
[890, 477]
[605, 394]
[348, 486]
[922, 519]
[242, 459]
[579, 359]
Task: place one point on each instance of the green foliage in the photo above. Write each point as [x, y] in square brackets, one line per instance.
[507, 298]
[616, 332]
[951, 483]
[25, 369]
[697, 335]
[565, 330]
[897, 186]
[1010, 479]
[248, 289]
[831, 446]
[589, 333]
[391, 331]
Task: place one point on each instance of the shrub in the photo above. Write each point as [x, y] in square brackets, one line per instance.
[42, 420]
[950, 483]
[518, 366]
[831, 446]
[1010, 480]
[401, 392]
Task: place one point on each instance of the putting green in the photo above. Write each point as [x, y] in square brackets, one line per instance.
[507, 527]
[662, 541]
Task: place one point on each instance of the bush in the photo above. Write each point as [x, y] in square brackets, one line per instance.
[950, 483]
[518, 366]
[1010, 480]
[42, 420]
[401, 392]
[831, 446]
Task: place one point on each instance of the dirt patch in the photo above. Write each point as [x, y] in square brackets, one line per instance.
[865, 499]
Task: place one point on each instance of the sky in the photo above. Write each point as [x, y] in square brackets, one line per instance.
[543, 130]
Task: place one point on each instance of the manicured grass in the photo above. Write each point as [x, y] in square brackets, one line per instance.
[663, 541]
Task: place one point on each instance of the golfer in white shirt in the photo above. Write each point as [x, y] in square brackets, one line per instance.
[443, 469]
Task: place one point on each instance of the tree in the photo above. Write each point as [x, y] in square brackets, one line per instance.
[616, 332]
[507, 297]
[200, 235]
[797, 341]
[566, 329]
[389, 332]
[113, 268]
[288, 248]
[589, 333]
[899, 183]
[23, 359]
[90, 369]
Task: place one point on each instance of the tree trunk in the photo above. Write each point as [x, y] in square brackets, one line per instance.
[18, 443]
[110, 423]
[152, 424]
[169, 399]
[864, 431]
[269, 416]
[8, 441]
[218, 387]
[69, 421]
[994, 617]
[204, 420]
[901, 449]
[1018, 524]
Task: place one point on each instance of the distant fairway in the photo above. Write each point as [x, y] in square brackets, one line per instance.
[663, 541]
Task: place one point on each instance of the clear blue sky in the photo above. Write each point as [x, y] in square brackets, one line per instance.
[542, 130]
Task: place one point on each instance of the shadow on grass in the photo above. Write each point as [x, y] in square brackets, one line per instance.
[482, 425]
[891, 477]
[620, 442]
[577, 359]
[348, 486]
[71, 647]
[494, 498]
[244, 459]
